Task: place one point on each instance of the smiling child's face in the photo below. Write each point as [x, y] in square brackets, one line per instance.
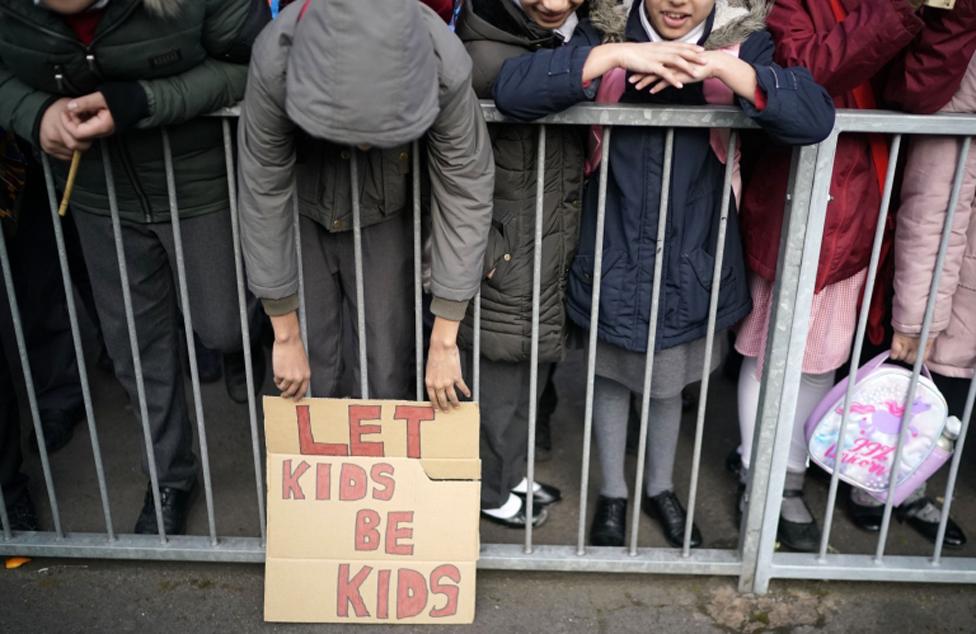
[550, 14]
[673, 19]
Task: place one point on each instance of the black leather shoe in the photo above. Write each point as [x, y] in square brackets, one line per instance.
[59, 427]
[234, 375]
[518, 520]
[867, 518]
[208, 362]
[22, 515]
[667, 510]
[907, 513]
[545, 495]
[802, 537]
[609, 522]
[175, 503]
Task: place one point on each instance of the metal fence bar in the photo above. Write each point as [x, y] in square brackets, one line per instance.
[252, 415]
[540, 194]
[950, 491]
[806, 210]
[923, 345]
[357, 236]
[4, 520]
[130, 322]
[601, 214]
[418, 309]
[8, 283]
[79, 349]
[302, 312]
[662, 226]
[476, 349]
[862, 326]
[174, 214]
[710, 340]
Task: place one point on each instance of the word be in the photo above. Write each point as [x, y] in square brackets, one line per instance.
[412, 594]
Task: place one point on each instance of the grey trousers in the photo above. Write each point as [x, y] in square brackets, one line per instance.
[328, 262]
[504, 425]
[151, 264]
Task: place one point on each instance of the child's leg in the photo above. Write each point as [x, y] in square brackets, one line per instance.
[664, 425]
[611, 404]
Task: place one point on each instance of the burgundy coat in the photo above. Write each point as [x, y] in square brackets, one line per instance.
[840, 56]
[931, 70]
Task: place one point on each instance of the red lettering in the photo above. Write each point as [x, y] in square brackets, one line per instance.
[450, 591]
[411, 593]
[290, 486]
[348, 591]
[357, 414]
[323, 481]
[382, 474]
[383, 595]
[352, 483]
[878, 468]
[307, 445]
[394, 533]
[413, 415]
[367, 537]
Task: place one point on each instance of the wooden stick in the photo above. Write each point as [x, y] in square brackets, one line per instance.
[70, 185]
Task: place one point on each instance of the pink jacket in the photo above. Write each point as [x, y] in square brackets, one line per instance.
[925, 197]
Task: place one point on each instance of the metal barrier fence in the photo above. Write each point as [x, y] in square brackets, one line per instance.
[754, 562]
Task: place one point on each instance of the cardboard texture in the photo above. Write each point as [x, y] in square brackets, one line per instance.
[372, 512]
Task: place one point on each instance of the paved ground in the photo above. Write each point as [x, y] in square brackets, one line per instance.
[119, 596]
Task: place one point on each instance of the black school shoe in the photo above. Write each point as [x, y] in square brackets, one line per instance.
[175, 506]
[22, 515]
[235, 377]
[667, 510]
[609, 522]
[519, 518]
[801, 537]
[907, 513]
[59, 427]
[867, 518]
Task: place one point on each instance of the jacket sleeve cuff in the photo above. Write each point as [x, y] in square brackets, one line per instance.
[449, 309]
[127, 101]
[35, 133]
[283, 306]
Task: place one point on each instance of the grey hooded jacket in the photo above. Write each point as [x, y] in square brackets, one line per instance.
[326, 84]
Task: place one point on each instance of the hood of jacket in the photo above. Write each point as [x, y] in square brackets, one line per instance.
[358, 79]
[735, 20]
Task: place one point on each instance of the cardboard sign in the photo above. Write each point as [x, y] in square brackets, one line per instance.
[372, 512]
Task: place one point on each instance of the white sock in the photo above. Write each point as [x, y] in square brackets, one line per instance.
[508, 509]
[523, 486]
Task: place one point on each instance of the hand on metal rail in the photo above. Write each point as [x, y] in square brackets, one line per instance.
[663, 60]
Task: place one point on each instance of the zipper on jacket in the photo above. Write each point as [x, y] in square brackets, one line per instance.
[130, 171]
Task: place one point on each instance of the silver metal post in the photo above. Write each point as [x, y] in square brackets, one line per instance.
[4, 520]
[357, 236]
[709, 340]
[8, 283]
[601, 213]
[923, 338]
[476, 349]
[130, 321]
[799, 254]
[540, 193]
[252, 414]
[174, 215]
[418, 309]
[302, 313]
[662, 224]
[79, 349]
[859, 338]
[950, 491]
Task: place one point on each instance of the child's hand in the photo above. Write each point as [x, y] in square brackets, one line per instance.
[669, 63]
[905, 347]
[712, 64]
[444, 366]
[56, 139]
[88, 117]
[288, 358]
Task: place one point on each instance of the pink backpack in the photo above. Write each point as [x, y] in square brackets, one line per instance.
[873, 426]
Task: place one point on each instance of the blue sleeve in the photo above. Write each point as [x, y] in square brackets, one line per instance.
[798, 110]
[544, 82]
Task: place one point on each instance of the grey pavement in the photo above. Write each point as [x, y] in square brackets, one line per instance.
[77, 595]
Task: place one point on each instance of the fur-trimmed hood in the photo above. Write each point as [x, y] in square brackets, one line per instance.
[735, 20]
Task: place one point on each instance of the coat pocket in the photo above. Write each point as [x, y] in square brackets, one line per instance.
[498, 254]
[696, 270]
